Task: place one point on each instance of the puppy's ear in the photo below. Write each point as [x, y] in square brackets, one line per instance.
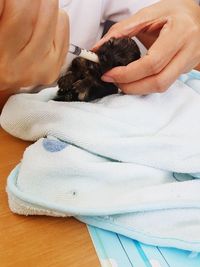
[111, 42]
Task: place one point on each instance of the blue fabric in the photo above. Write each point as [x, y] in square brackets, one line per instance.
[54, 145]
[122, 251]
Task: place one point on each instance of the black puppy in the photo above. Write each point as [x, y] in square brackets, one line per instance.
[82, 81]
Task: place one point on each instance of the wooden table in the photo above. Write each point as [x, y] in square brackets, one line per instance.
[38, 241]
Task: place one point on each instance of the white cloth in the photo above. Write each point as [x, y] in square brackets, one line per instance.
[87, 18]
[117, 157]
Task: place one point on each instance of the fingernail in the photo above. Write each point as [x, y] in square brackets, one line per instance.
[107, 79]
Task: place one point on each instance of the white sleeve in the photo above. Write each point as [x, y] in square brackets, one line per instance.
[119, 9]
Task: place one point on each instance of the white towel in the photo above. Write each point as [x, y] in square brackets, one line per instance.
[123, 163]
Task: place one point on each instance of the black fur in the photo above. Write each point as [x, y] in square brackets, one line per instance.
[82, 81]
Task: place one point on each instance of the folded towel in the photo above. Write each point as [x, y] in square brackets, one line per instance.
[124, 163]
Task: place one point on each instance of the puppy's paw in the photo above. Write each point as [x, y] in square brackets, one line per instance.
[81, 90]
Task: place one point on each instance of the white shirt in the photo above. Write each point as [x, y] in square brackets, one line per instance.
[88, 16]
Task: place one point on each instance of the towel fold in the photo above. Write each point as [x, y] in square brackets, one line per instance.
[128, 164]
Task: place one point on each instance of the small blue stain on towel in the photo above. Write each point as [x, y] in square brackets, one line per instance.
[53, 145]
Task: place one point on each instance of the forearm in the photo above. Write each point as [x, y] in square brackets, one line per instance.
[33, 44]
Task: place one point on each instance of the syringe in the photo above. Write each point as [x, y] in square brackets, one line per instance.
[76, 50]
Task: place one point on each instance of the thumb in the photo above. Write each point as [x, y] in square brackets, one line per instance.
[151, 16]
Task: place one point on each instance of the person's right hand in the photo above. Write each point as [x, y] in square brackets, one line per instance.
[170, 29]
[33, 42]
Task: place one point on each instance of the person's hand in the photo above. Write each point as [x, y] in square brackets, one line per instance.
[172, 30]
[33, 43]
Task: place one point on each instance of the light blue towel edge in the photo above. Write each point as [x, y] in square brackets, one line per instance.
[141, 237]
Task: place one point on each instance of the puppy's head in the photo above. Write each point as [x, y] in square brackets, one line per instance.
[117, 52]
